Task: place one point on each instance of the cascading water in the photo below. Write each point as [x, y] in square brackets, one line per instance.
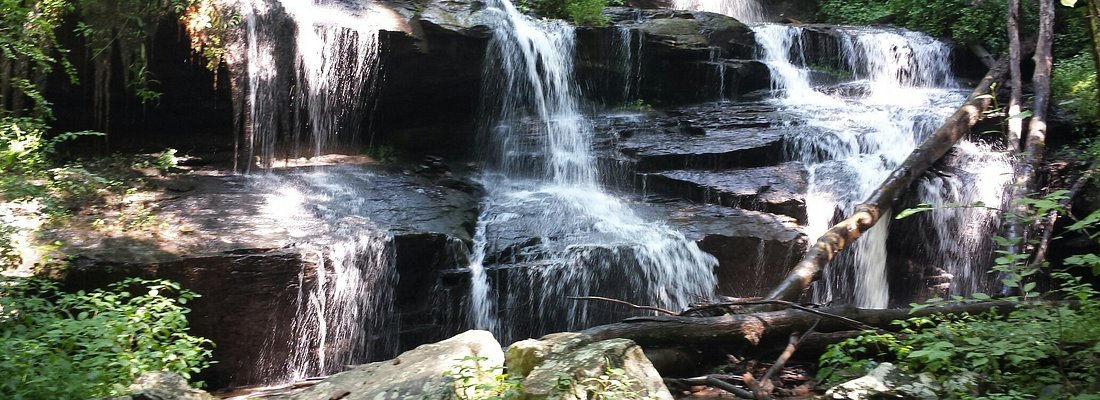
[344, 310]
[547, 226]
[968, 197]
[853, 135]
[335, 51]
[749, 11]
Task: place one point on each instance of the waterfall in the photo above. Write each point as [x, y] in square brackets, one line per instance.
[744, 10]
[900, 88]
[854, 139]
[979, 175]
[547, 227]
[310, 86]
[334, 73]
[344, 310]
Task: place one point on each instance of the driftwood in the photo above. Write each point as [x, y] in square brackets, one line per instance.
[756, 327]
[867, 214]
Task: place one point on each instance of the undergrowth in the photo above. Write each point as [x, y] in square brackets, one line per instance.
[58, 345]
[1046, 347]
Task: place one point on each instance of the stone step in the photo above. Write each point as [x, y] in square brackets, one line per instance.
[778, 189]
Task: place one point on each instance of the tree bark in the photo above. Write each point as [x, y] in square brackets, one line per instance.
[1094, 30]
[1035, 143]
[755, 327]
[1015, 125]
[867, 214]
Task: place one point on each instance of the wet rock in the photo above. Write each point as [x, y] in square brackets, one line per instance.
[466, 17]
[776, 189]
[162, 385]
[723, 136]
[249, 246]
[755, 250]
[570, 366]
[420, 373]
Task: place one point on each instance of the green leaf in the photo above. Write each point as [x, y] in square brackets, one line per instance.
[1021, 114]
[922, 207]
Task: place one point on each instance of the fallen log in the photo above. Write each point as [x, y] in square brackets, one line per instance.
[753, 328]
[867, 214]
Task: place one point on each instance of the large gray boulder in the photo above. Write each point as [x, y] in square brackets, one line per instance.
[160, 385]
[886, 381]
[421, 373]
[571, 366]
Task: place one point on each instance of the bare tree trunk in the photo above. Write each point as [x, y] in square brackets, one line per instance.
[1015, 125]
[1094, 29]
[5, 84]
[868, 213]
[1035, 142]
[755, 327]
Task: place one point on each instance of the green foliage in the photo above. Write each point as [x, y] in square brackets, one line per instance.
[1073, 88]
[581, 12]
[1052, 349]
[613, 384]
[473, 381]
[852, 12]
[206, 25]
[58, 345]
[965, 21]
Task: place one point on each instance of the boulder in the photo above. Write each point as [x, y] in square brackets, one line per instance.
[160, 385]
[886, 382]
[421, 373]
[569, 366]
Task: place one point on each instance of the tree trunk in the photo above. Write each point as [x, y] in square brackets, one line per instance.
[1035, 143]
[753, 328]
[1015, 125]
[1094, 29]
[868, 213]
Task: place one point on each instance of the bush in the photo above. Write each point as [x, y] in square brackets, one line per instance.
[1048, 348]
[60, 345]
[581, 12]
[964, 21]
[1073, 87]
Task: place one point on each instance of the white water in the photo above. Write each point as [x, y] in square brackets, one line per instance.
[344, 311]
[744, 10]
[344, 308]
[334, 74]
[901, 94]
[961, 229]
[855, 134]
[587, 242]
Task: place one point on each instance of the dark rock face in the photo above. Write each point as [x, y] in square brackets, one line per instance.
[774, 189]
[235, 247]
[755, 250]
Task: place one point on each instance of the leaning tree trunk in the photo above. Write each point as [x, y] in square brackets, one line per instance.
[867, 214]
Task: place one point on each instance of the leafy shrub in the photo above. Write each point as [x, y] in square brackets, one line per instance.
[1073, 86]
[581, 12]
[60, 345]
[980, 22]
[1044, 348]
